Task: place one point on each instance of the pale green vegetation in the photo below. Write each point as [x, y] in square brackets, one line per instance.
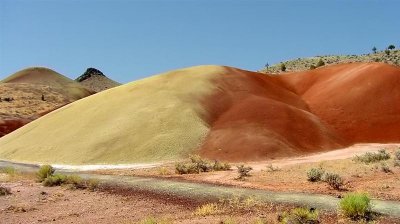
[355, 205]
[301, 64]
[315, 174]
[199, 165]
[334, 180]
[299, 216]
[370, 157]
[153, 220]
[8, 170]
[244, 172]
[48, 178]
[207, 209]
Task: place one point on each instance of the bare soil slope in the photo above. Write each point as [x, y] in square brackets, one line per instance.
[158, 118]
[252, 118]
[221, 113]
[358, 100]
[26, 88]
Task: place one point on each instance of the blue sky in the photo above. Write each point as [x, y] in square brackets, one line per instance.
[129, 40]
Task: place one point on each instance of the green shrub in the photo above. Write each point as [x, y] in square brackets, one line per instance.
[4, 191]
[75, 182]
[315, 174]
[44, 172]
[271, 168]
[218, 166]
[320, 63]
[54, 180]
[228, 220]
[312, 67]
[355, 205]
[207, 209]
[369, 157]
[8, 170]
[334, 180]
[283, 67]
[92, 184]
[385, 168]
[244, 171]
[299, 216]
[397, 155]
[202, 165]
[198, 165]
[186, 168]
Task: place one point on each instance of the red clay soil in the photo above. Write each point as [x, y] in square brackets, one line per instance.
[361, 101]
[254, 116]
[10, 125]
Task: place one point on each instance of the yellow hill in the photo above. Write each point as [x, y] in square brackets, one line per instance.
[158, 118]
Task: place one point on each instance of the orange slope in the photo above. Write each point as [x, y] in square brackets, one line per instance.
[361, 101]
[253, 118]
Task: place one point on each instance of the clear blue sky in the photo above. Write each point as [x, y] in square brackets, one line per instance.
[128, 40]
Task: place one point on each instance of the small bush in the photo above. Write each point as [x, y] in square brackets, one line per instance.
[44, 172]
[163, 171]
[218, 166]
[334, 180]
[244, 171]
[92, 184]
[54, 180]
[229, 220]
[271, 168]
[8, 170]
[152, 220]
[186, 168]
[397, 155]
[320, 63]
[75, 182]
[315, 174]
[198, 165]
[312, 67]
[355, 205]
[283, 67]
[385, 168]
[207, 209]
[396, 163]
[299, 216]
[4, 191]
[369, 157]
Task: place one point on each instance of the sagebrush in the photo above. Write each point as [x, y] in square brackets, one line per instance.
[356, 205]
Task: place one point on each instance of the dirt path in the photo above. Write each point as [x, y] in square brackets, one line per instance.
[191, 190]
[344, 153]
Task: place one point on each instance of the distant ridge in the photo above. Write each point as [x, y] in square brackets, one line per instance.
[34, 92]
[95, 80]
[302, 64]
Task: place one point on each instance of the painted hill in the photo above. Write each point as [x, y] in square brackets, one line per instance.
[22, 93]
[96, 81]
[219, 112]
[303, 64]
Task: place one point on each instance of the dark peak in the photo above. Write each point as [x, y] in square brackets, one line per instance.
[89, 73]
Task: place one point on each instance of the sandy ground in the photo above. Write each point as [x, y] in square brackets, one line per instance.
[31, 202]
[291, 175]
